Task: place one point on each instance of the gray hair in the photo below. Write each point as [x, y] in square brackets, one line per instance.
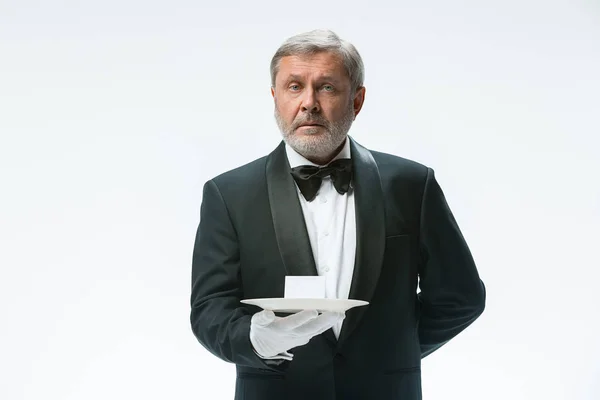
[318, 41]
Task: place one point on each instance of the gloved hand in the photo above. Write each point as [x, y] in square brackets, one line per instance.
[273, 336]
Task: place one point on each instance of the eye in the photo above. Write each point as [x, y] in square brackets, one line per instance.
[328, 88]
[294, 87]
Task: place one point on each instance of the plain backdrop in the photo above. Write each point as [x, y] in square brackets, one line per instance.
[113, 114]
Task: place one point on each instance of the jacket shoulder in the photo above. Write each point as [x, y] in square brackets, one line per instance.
[395, 166]
[243, 172]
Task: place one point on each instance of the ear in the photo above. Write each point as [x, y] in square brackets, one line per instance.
[359, 99]
[272, 92]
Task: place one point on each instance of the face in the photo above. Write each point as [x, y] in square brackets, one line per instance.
[314, 104]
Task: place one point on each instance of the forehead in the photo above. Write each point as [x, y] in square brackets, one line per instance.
[312, 66]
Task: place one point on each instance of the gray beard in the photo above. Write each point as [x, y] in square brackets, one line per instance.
[317, 147]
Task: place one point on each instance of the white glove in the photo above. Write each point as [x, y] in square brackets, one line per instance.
[273, 336]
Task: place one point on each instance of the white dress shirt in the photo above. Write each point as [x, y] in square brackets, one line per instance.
[331, 223]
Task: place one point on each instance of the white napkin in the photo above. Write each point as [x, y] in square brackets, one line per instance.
[304, 287]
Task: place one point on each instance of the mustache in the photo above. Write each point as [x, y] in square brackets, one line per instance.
[310, 120]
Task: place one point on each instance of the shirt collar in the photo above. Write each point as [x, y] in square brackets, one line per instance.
[296, 159]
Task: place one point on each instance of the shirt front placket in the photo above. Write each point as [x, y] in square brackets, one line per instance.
[325, 217]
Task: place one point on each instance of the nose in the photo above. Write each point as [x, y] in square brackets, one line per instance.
[310, 104]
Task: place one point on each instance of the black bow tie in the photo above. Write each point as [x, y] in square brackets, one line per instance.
[309, 177]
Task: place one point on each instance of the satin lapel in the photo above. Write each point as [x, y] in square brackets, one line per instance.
[370, 234]
[288, 219]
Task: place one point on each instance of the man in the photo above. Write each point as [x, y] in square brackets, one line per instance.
[375, 225]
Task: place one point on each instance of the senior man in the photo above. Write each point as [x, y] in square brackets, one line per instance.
[377, 226]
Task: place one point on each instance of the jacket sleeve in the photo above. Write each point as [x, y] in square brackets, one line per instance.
[218, 319]
[451, 294]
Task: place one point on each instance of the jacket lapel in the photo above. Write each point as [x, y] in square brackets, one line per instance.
[370, 234]
[288, 219]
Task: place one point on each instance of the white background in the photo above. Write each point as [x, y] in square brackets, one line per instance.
[113, 114]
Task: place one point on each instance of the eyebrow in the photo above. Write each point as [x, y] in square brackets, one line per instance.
[330, 78]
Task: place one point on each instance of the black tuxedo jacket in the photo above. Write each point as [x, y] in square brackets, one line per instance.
[252, 234]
